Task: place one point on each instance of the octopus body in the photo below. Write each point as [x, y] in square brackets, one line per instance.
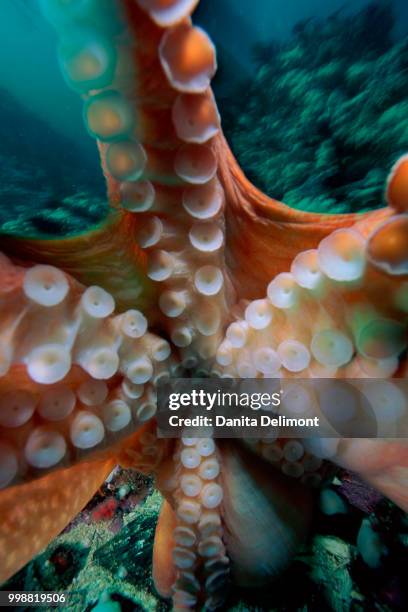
[194, 271]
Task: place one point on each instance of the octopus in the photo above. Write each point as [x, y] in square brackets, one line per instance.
[194, 273]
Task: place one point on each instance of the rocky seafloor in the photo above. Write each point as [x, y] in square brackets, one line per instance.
[355, 559]
[324, 116]
[49, 185]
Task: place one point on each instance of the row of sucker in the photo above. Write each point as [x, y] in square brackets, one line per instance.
[199, 554]
[185, 249]
[195, 306]
[194, 300]
[87, 377]
[318, 319]
[303, 460]
[167, 181]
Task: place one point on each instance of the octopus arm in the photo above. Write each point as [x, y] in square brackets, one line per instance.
[164, 572]
[263, 235]
[382, 463]
[76, 379]
[107, 256]
[34, 513]
[339, 311]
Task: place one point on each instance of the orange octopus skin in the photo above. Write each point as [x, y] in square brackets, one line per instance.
[176, 281]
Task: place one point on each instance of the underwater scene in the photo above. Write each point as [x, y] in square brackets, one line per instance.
[204, 190]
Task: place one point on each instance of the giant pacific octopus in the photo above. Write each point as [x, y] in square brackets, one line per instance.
[195, 272]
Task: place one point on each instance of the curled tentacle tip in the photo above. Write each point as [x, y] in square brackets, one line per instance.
[388, 246]
[397, 185]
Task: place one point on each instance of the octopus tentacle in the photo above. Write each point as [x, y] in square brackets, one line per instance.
[385, 465]
[185, 253]
[35, 512]
[107, 257]
[199, 553]
[344, 317]
[274, 233]
[340, 313]
[297, 459]
[84, 376]
[157, 161]
[265, 517]
[77, 385]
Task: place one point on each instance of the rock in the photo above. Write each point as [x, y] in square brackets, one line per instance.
[331, 503]
[369, 545]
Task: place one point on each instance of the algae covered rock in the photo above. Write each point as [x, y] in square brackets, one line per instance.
[323, 117]
[331, 559]
[131, 549]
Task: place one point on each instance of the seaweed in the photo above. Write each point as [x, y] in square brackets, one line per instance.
[324, 117]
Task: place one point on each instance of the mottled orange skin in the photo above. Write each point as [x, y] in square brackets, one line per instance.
[164, 573]
[389, 244]
[265, 235]
[34, 513]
